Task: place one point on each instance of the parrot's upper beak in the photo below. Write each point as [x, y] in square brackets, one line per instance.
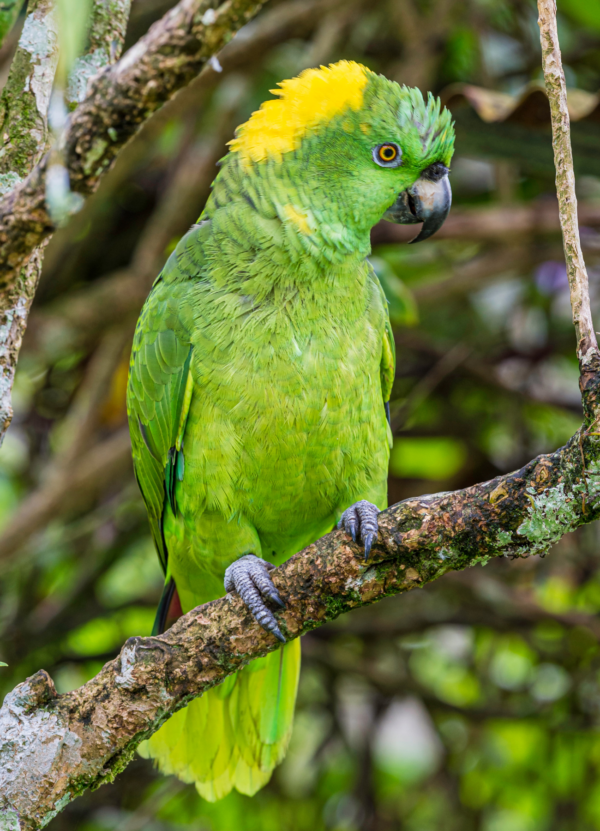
[427, 201]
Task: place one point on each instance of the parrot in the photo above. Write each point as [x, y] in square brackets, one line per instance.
[260, 378]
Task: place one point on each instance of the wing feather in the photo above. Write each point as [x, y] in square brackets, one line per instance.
[160, 387]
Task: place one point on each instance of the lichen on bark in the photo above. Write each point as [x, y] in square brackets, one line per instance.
[26, 96]
[107, 33]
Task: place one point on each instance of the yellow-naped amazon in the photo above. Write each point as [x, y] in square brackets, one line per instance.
[261, 369]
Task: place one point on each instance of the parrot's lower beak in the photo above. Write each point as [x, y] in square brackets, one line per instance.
[427, 201]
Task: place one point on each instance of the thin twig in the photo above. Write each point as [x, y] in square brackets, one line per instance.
[556, 89]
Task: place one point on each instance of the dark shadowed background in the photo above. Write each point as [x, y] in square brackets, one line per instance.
[473, 704]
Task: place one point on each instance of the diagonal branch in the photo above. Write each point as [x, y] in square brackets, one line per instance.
[119, 100]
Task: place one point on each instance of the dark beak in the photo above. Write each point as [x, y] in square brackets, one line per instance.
[427, 201]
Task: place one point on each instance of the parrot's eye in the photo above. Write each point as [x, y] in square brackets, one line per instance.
[387, 155]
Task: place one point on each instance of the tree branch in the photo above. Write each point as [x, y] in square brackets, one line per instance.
[24, 107]
[25, 138]
[119, 100]
[108, 27]
[54, 747]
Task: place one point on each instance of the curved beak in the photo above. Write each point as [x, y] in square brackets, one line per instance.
[427, 201]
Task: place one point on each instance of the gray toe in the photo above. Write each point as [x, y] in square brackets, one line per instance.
[249, 577]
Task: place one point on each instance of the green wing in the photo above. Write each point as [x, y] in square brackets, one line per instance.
[160, 385]
[388, 354]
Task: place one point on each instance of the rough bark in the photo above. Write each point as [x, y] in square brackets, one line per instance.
[107, 34]
[56, 746]
[25, 98]
[16, 302]
[556, 89]
[25, 136]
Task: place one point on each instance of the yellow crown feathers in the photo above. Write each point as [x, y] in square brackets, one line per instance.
[314, 96]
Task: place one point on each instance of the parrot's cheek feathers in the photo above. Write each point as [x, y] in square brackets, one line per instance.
[427, 201]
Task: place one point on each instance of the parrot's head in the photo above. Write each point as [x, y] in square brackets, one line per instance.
[346, 147]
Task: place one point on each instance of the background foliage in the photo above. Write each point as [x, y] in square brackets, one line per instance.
[471, 704]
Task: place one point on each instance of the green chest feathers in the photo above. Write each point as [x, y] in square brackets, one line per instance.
[287, 415]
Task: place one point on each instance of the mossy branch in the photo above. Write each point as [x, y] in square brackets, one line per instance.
[119, 101]
[24, 130]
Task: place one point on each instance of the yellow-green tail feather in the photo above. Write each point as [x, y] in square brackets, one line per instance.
[235, 734]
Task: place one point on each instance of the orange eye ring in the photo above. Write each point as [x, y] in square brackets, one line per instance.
[387, 155]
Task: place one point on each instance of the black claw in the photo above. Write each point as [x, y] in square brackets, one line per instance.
[266, 619]
[276, 598]
[361, 517]
[277, 632]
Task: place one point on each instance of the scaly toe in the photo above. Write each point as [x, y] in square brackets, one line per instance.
[249, 577]
[361, 516]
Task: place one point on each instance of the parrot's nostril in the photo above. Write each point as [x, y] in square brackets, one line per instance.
[435, 172]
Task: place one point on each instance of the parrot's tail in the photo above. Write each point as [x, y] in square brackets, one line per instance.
[235, 734]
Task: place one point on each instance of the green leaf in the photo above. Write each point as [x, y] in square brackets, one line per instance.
[2, 664]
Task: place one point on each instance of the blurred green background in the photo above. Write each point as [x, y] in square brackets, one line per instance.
[473, 704]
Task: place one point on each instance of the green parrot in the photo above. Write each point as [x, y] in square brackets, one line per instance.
[261, 372]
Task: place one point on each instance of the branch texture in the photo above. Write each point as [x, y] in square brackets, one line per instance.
[25, 138]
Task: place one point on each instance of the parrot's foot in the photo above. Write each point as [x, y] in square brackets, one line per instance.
[361, 519]
[249, 577]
